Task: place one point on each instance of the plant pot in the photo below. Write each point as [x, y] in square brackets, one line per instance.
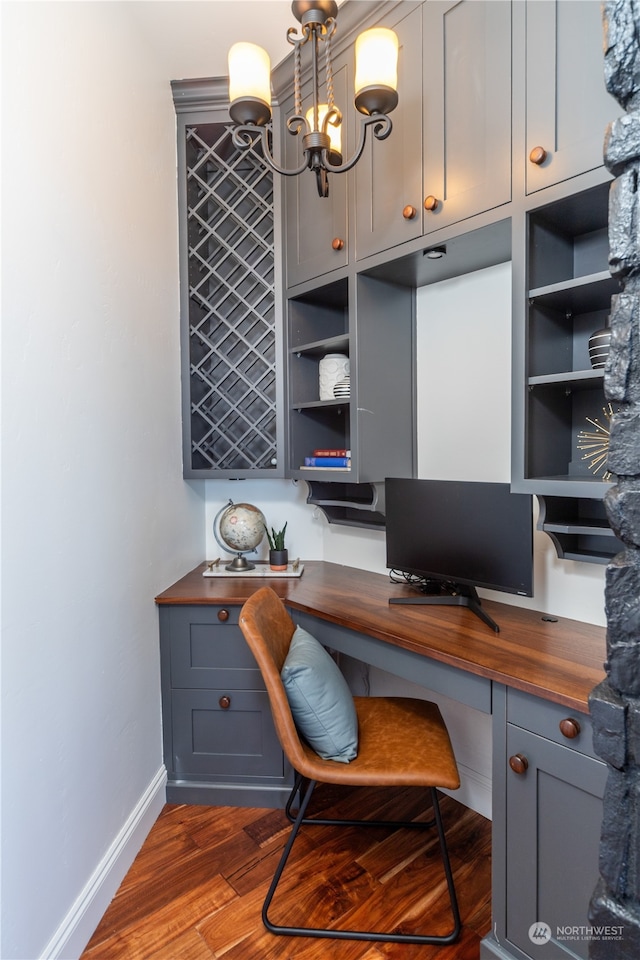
[278, 559]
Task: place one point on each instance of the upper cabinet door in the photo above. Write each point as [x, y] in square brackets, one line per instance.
[316, 227]
[388, 176]
[567, 104]
[467, 109]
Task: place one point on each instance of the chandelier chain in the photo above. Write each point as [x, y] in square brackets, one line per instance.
[329, 70]
[297, 91]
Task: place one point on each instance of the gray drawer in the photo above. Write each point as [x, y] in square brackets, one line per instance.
[545, 719]
[234, 743]
[208, 650]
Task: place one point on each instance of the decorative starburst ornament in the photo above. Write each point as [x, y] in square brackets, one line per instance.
[596, 443]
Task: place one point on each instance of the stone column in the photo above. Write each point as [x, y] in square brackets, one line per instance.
[615, 703]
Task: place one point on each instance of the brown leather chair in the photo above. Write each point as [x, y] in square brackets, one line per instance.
[402, 742]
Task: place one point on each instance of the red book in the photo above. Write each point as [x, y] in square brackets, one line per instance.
[322, 452]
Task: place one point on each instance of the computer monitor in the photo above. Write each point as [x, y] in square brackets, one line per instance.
[449, 537]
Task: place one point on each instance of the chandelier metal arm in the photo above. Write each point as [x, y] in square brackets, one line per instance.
[316, 157]
[244, 136]
[382, 127]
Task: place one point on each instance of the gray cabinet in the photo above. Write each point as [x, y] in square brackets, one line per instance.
[567, 107]
[316, 228]
[449, 155]
[371, 321]
[220, 745]
[388, 176]
[467, 109]
[548, 789]
[230, 337]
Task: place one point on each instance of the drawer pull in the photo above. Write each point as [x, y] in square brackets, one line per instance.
[518, 763]
[431, 203]
[337, 243]
[223, 615]
[538, 155]
[409, 212]
[569, 728]
[225, 702]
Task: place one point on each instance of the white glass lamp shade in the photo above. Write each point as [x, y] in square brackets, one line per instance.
[249, 83]
[376, 71]
[334, 131]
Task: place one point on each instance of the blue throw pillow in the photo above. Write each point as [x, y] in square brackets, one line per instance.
[320, 699]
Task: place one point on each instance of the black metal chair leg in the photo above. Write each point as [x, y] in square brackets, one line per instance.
[447, 869]
[274, 928]
[325, 933]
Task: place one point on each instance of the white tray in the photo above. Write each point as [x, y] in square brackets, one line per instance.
[262, 570]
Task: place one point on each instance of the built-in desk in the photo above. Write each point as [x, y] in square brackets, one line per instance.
[534, 677]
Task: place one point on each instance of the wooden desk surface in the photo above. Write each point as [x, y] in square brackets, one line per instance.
[560, 662]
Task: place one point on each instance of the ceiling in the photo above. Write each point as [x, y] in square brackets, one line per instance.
[191, 37]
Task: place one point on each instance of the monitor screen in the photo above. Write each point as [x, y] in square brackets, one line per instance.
[461, 532]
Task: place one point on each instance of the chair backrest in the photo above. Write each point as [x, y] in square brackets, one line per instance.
[268, 629]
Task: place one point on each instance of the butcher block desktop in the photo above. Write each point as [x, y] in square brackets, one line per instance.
[559, 660]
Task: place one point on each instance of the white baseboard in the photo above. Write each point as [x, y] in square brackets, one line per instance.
[76, 929]
[474, 791]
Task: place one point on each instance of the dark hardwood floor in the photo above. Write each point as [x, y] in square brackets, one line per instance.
[195, 890]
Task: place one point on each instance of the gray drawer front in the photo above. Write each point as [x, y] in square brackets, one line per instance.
[237, 743]
[207, 652]
[544, 718]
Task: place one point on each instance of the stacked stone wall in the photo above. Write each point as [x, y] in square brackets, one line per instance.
[615, 703]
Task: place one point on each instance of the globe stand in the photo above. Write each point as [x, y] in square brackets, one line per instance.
[240, 564]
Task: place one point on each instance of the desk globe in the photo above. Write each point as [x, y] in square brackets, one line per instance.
[239, 528]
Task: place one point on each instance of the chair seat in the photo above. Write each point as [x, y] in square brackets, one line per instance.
[401, 742]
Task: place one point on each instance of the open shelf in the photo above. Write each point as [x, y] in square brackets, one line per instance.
[568, 291]
[575, 377]
[338, 344]
[372, 322]
[578, 528]
[349, 504]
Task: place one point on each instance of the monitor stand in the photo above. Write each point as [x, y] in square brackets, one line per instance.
[458, 595]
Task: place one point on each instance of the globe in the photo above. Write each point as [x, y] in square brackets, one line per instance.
[239, 527]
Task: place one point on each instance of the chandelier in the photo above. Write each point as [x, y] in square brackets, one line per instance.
[375, 92]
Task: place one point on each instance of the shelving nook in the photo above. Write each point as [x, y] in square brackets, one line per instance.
[569, 290]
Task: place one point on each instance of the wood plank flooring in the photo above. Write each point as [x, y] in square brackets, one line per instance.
[195, 890]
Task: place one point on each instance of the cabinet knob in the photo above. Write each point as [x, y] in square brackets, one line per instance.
[430, 203]
[225, 702]
[518, 763]
[223, 615]
[569, 728]
[337, 243]
[538, 155]
[409, 212]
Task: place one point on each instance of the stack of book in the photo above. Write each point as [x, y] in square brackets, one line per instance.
[325, 459]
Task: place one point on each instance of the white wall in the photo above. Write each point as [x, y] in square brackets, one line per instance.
[96, 516]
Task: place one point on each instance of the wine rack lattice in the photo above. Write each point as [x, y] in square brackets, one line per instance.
[232, 362]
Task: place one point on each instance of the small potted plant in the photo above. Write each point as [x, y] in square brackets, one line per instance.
[278, 553]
